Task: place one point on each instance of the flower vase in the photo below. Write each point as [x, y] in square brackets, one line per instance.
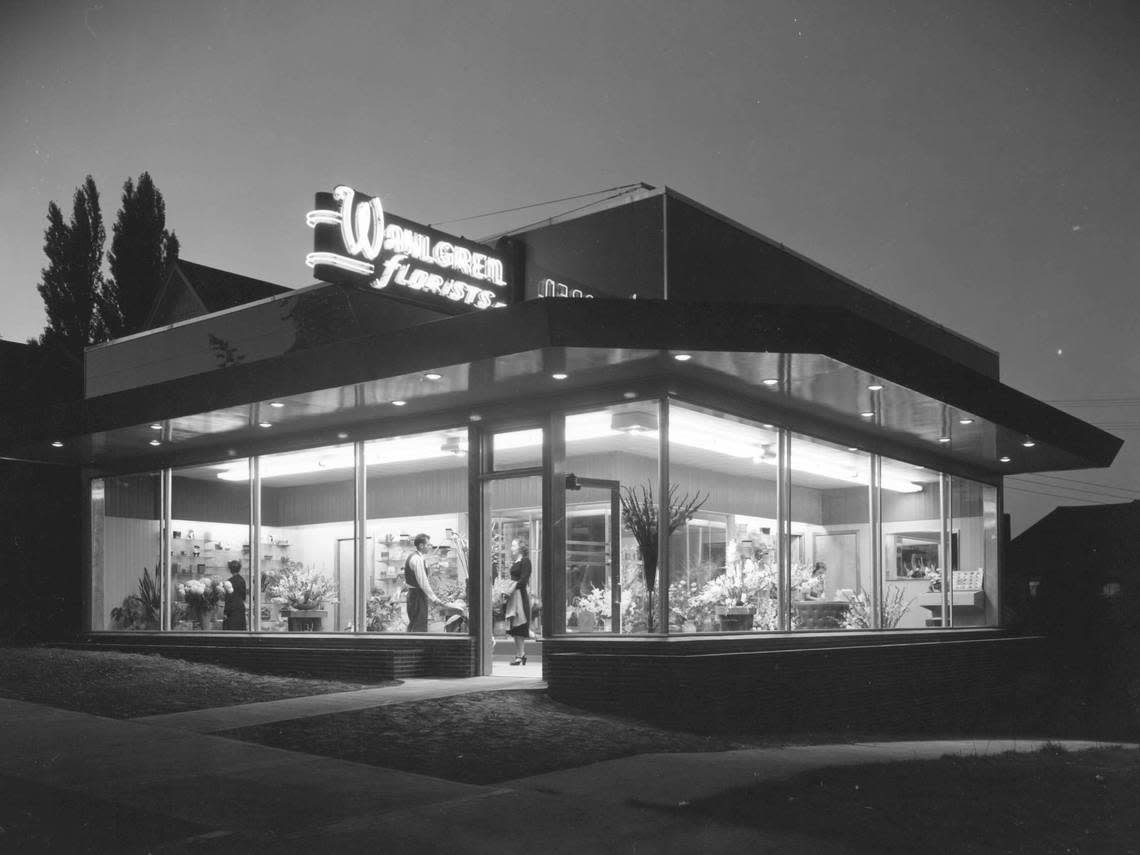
[648, 554]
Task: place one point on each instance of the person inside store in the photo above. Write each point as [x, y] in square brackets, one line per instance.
[419, 588]
[235, 599]
[518, 600]
[815, 586]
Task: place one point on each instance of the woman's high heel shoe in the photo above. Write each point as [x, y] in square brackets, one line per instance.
[518, 661]
[524, 659]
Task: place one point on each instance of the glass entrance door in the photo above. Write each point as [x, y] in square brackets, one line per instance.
[512, 531]
[593, 583]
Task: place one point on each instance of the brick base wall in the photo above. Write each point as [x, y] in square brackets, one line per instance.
[941, 681]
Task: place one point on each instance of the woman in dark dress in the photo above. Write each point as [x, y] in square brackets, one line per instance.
[235, 601]
[518, 602]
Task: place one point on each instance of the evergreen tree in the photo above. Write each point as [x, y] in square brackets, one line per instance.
[141, 251]
[72, 284]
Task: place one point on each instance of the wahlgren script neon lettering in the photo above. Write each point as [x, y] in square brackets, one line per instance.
[365, 235]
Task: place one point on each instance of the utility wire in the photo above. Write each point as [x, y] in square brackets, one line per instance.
[1056, 496]
[622, 187]
[1095, 493]
[549, 219]
[1082, 482]
[1095, 402]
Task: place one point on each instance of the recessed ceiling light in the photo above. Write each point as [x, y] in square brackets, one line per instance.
[682, 357]
[265, 424]
[399, 403]
[769, 427]
[943, 439]
[558, 375]
[431, 375]
[156, 426]
[875, 387]
[852, 448]
[342, 435]
[155, 442]
[629, 396]
[965, 421]
[475, 417]
[1028, 443]
[770, 381]
[867, 414]
[1004, 459]
[57, 444]
[277, 404]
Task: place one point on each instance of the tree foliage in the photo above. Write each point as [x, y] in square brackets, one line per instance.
[72, 284]
[141, 250]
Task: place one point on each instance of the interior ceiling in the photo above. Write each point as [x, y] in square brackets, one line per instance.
[815, 385]
[700, 441]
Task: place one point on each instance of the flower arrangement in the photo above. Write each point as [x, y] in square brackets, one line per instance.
[596, 603]
[302, 589]
[202, 595]
[935, 579]
[500, 590]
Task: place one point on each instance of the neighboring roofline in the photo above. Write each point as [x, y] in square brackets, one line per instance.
[601, 323]
[289, 292]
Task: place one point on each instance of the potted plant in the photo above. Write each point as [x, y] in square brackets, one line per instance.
[639, 516]
[140, 610]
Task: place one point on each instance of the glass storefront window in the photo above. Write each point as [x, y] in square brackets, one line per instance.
[612, 452]
[210, 547]
[972, 589]
[307, 572]
[913, 555]
[831, 565]
[723, 563]
[126, 552]
[416, 485]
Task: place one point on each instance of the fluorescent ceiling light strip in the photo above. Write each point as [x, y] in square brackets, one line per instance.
[699, 433]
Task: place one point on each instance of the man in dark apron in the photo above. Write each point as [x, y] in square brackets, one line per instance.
[419, 588]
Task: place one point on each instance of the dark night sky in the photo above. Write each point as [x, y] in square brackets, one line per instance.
[974, 162]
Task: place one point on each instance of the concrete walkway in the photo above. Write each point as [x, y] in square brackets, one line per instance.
[265, 712]
[164, 784]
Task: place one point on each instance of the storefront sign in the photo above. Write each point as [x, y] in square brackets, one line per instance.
[357, 242]
[551, 288]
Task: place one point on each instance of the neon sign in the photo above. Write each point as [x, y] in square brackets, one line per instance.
[356, 241]
[552, 288]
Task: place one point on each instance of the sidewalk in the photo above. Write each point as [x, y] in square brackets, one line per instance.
[164, 784]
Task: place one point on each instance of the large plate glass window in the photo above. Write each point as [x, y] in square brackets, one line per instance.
[723, 562]
[611, 563]
[915, 554]
[973, 586]
[416, 486]
[126, 552]
[210, 547]
[307, 548]
[831, 565]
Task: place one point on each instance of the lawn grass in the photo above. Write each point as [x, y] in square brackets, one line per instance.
[479, 738]
[1045, 802]
[129, 685]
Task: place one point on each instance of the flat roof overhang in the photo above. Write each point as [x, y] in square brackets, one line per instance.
[822, 360]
